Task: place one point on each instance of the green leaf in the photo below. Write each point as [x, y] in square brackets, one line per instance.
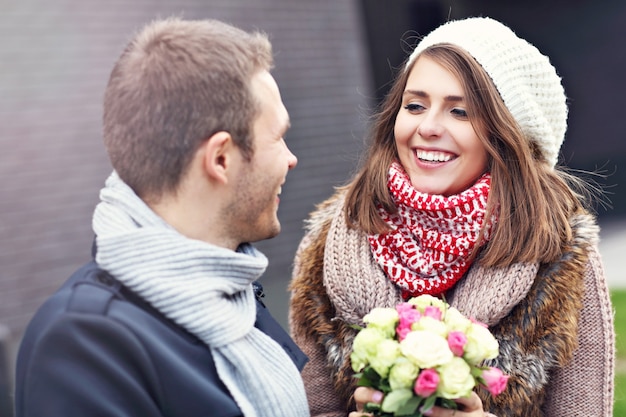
[428, 404]
[368, 378]
[447, 403]
[373, 408]
[371, 374]
[477, 371]
[364, 381]
[410, 407]
[384, 385]
[395, 400]
[480, 381]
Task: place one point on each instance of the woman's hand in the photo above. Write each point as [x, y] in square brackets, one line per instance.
[468, 407]
[362, 396]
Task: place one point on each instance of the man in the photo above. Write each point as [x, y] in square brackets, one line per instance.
[164, 321]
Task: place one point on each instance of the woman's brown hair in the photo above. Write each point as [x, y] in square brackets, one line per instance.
[531, 200]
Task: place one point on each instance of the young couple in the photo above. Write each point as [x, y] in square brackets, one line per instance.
[460, 195]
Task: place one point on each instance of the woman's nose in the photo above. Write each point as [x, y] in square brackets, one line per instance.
[430, 126]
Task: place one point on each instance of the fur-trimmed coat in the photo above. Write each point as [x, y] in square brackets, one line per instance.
[553, 322]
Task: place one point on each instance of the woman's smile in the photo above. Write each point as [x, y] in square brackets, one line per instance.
[436, 141]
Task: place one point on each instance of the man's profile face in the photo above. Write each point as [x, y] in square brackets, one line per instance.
[260, 181]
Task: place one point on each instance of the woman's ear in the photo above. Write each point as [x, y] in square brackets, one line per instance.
[218, 156]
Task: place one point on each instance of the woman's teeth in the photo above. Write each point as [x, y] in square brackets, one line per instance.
[433, 156]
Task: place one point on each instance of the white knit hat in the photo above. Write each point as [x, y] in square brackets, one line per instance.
[525, 79]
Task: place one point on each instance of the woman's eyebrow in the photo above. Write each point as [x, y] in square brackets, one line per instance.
[423, 94]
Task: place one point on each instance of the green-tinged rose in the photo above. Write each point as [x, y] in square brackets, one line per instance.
[456, 321]
[395, 400]
[431, 325]
[358, 361]
[365, 347]
[425, 300]
[387, 353]
[384, 319]
[426, 349]
[455, 379]
[480, 345]
[403, 374]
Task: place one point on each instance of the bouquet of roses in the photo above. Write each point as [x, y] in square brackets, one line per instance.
[423, 353]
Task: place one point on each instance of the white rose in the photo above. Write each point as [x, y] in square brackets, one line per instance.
[426, 349]
[455, 379]
[480, 345]
[403, 374]
[387, 353]
[456, 321]
[425, 300]
[365, 347]
[358, 362]
[431, 325]
[385, 319]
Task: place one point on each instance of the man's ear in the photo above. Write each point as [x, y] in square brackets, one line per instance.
[218, 156]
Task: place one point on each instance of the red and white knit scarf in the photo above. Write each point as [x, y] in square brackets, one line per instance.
[432, 236]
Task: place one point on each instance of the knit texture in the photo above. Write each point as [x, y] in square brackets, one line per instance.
[432, 236]
[206, 290]
[526, 80]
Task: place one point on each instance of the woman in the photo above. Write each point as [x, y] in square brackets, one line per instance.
[459, 196]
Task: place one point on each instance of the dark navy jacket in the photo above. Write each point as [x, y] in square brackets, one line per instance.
[96, 349]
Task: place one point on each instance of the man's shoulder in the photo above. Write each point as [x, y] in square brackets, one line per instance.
[72, 296]
[104, 333]
[92, 292]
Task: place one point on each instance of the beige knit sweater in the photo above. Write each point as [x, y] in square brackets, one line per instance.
[554, 322]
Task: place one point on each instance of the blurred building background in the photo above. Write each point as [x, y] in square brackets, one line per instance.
[334, 61]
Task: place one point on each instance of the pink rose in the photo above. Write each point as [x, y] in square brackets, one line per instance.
[495, 380]
[433, 312]
[400, 308]
[402, 331]
[426, 383]
[407, 316]
[456, 342]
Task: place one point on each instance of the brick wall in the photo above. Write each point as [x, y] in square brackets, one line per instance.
[55, 58]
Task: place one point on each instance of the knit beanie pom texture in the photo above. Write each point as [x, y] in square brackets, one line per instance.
[526, 80]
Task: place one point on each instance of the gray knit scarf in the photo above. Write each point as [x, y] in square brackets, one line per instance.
[205, 289]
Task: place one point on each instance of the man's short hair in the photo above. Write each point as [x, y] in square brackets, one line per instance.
[177, 83]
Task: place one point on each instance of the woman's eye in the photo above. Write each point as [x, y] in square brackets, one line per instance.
[413, 107]
[460, 113]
